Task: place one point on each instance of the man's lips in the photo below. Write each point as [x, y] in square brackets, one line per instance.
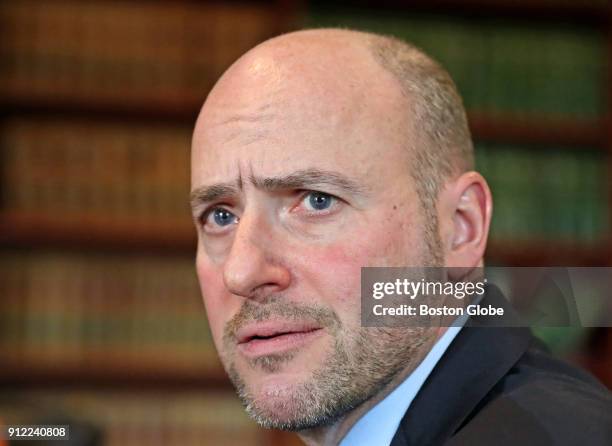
[266, 338]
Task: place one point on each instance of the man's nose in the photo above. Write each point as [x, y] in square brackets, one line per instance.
[254, 267]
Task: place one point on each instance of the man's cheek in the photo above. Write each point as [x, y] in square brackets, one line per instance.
[361, 251]
[335, 273]
[335, 270]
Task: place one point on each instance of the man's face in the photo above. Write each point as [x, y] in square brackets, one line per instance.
[298, 183]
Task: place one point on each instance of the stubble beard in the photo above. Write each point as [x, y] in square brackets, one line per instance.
[357, 366]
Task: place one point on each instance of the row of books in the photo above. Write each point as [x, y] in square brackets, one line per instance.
[500, 67]
[164, 53]
[546, 193]
[77, 169]
[129, 418]
[86, 310]
[124, 52]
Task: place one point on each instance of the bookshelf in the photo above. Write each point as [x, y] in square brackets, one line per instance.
[148, 79]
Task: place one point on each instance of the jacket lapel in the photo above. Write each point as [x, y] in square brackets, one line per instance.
[477, 359]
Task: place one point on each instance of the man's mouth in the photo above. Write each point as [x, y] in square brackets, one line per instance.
[275, 337]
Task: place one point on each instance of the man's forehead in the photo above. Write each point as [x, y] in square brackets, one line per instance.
[306, 54]
[288, 107]
[323, 67]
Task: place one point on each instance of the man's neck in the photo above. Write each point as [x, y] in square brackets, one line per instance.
[332, 435]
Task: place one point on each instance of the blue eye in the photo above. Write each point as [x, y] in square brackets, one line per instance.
[319, 201]
[223, 217]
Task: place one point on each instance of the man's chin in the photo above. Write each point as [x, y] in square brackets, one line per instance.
[271, 378]
[297, 389]
[279, 400]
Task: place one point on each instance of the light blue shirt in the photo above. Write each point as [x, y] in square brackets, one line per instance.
[378, 426]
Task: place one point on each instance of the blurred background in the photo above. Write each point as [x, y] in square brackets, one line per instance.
[101, 322]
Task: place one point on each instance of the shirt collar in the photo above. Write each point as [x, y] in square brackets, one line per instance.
[378, 426]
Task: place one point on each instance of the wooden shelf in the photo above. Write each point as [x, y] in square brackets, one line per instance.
[169, 110]
[114, 377]
[545, 11]
[111, 368]
[547, 253]
[32, 231]
[538, 130]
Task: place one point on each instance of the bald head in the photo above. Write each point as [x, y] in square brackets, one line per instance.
[344, 72]
[327, 75]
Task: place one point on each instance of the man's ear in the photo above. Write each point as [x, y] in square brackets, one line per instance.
[465, 206]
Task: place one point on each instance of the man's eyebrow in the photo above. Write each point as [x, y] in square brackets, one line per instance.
[301, 179]
[307, 178]
[207, 194]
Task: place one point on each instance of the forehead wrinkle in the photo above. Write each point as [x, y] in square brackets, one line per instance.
[247, 127]
[260, 114]
[242, 102]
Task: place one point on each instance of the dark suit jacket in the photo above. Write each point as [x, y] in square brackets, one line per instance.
[497, 386]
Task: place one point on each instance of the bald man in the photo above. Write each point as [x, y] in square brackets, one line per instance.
[324, 151]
